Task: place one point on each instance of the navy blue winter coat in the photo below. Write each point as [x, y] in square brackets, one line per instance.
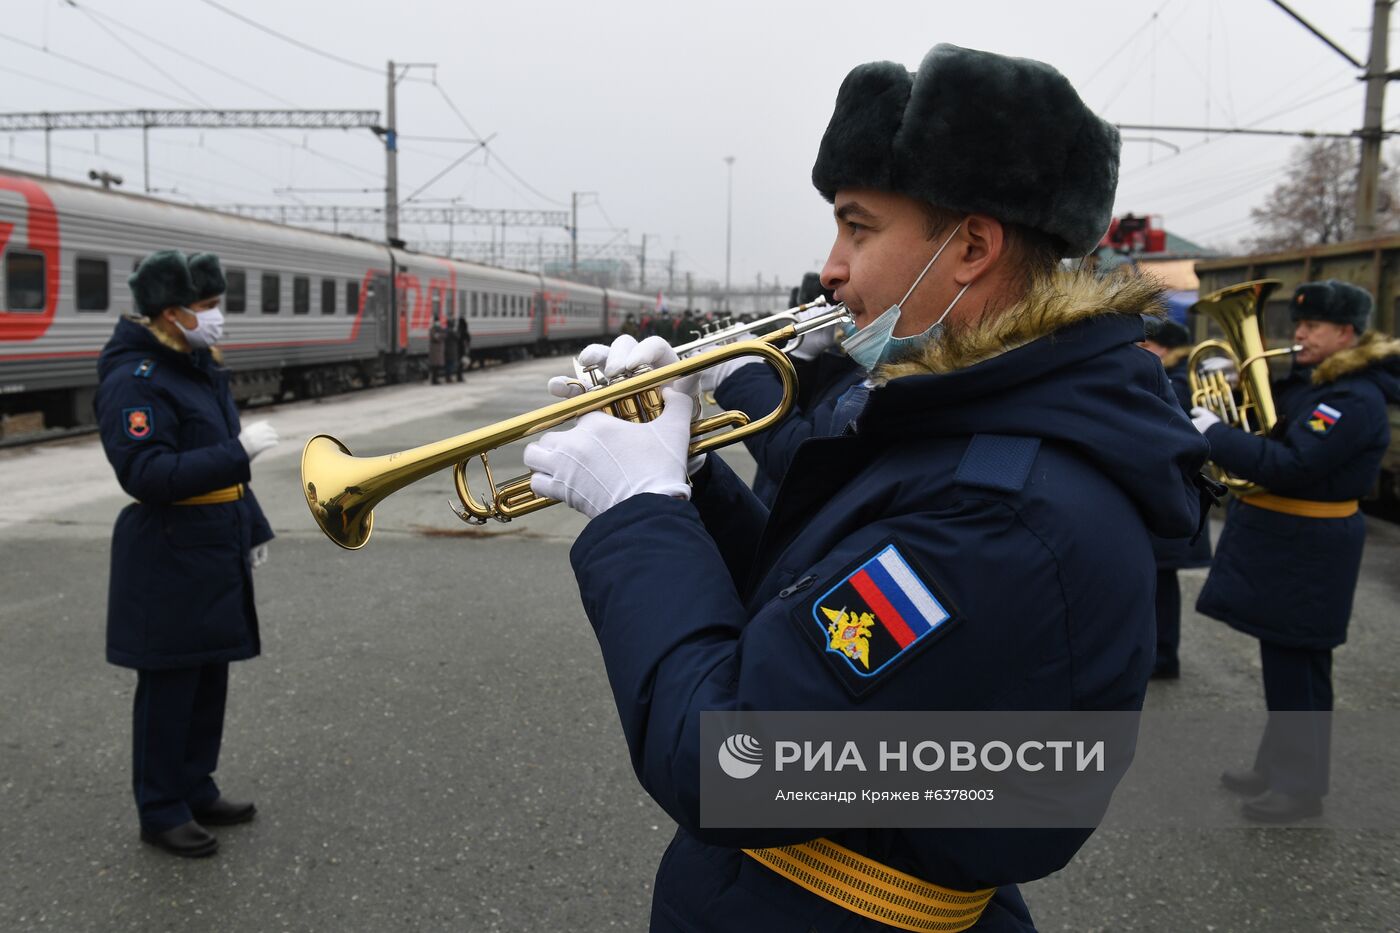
[755, 390]
[1018, 488]
[1288, 579]
[181, 589]
[1178, 553]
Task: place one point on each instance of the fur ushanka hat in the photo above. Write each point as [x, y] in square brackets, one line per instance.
[208, 276]
[1332, 300]
[161, 281]
[976, 132]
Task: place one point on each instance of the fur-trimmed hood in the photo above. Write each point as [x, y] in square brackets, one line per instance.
[1375, 352]
[135, 336]
[1061, 364]
[1055, 301]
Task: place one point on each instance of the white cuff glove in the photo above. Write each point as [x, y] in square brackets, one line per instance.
[626, 354]
[1203, 418]
[258, 555]
[814, 343]
[1223, 365]
[258, 437]
[603, 460]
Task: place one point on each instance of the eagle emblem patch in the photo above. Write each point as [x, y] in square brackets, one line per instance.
[1323, 418]
[138, 423]
[877, 613]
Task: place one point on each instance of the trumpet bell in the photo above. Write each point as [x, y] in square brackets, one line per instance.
[347, 517]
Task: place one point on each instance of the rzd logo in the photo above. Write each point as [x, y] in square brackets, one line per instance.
[741, 756]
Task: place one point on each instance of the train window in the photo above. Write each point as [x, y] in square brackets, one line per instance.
[24, 281]
[301, 294]
[92, 279]
[352, 297]
[236, 298]
[328, 296]
[462, 303]
[437, 305]
[271, 293]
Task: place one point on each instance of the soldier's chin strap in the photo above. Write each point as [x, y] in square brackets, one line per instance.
[1211, 493]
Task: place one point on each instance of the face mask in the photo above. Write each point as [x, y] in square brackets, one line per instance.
[875, 343]
[208, 328]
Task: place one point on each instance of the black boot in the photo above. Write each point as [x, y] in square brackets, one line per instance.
[188, 840]
[1245, 781]
[1278, 807]
[225, 812]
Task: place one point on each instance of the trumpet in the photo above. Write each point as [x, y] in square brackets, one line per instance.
[342, 490]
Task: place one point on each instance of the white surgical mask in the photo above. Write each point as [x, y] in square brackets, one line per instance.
[208, 328]
[875, 343]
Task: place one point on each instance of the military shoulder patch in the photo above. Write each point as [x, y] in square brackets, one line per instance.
[1323, 418]
[877, 613]
[139, 423]
[144, 369]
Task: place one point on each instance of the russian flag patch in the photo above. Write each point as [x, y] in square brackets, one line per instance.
[878, 612]
[1323, 418]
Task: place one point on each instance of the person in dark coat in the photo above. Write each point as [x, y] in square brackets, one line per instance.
[464, 344]
[180, 602]
[452, 353]
[437, 349]
[664, 327]
[1008, 464]
[630, 327]
[1171, 343]
[1288, 560]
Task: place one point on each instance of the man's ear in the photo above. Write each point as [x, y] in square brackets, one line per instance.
[984, 242]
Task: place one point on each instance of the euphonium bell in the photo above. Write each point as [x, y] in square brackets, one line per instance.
[342, 490]
[1238, 311]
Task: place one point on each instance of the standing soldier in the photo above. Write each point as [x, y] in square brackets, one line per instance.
[437, 349]
[452, 353]
[1171, 343]
[1288, 560]
[464, 344]
[180, 605]
[1003, 474]
[630, 326]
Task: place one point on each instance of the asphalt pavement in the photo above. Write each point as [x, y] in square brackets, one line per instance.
[431, 740]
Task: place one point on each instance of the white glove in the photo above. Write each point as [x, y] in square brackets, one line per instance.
[814, 343]
[257, 437]
[603, 460]
[258, 555]
[627, 354]
[1223, 365]
[1203, 418]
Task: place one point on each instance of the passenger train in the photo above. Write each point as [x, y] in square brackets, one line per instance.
[308, 313]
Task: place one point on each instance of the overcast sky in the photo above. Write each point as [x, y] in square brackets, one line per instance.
[641, 102]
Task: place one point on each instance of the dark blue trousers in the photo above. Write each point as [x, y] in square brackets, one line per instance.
[177, 728]
[1295, 751]
[1168, 619]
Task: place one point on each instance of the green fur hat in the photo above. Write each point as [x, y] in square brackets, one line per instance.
[208, 276]
[976, 132]
[1332, 300]
[1166, 332]
[162, 281]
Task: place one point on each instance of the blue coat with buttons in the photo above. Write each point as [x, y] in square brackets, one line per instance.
[181, 587]
[1290, 579]
[1026, 518]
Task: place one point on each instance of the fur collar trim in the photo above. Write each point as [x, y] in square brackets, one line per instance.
[1053, 302]
[1372, 348]
[165, 340]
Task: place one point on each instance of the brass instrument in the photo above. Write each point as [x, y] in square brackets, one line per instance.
[342, 490]
[1237, 310]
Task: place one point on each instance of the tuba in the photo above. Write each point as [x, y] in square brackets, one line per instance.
[342, 489]
[1237, 310]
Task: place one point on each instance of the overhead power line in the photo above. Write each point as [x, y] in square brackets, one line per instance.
[189, 119]
[328, 214]
[296, 42]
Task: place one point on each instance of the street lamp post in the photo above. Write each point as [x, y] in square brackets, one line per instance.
[728, 230]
